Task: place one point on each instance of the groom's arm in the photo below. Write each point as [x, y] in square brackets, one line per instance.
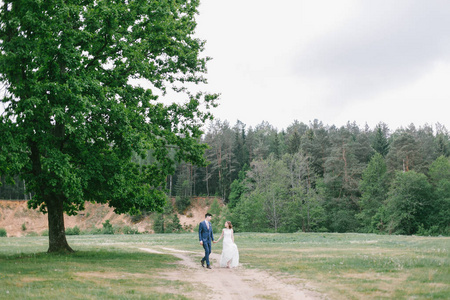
[200, 233]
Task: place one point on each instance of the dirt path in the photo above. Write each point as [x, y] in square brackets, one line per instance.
[237, 283]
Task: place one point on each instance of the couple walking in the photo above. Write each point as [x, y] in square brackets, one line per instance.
[230, 253]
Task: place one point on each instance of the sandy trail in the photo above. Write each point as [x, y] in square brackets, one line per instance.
[237, 283]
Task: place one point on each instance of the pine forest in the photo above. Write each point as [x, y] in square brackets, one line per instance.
[312, 178]
[318, 178]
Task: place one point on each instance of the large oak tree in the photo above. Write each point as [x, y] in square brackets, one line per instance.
[73, 117]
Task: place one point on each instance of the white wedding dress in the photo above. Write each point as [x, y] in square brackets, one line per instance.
[230, 251]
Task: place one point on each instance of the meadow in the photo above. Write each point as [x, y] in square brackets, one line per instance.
[340, 266]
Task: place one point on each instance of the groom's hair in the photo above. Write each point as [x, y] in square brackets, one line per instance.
[208, 215]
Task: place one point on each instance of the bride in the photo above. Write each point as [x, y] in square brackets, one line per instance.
[230, 253]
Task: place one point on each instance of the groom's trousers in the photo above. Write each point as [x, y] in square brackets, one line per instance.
[207, 247]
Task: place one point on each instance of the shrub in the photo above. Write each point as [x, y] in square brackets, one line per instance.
[73, 231]
[128, 230]
[107, 228]
[174, 225]
[44, 233]
[182, 203]
[188, 228]
[93, 230]
[137, 217]
[3, 232]
[158, 223]
[432, 231]
[24, 227]
[215, 208]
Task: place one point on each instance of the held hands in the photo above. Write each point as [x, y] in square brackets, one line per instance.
[201, 243]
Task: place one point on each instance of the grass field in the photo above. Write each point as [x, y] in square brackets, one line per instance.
[343, 266]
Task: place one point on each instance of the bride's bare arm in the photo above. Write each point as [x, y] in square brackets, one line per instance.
[221, 236]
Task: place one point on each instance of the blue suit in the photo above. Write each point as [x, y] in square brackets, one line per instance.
[205, 235]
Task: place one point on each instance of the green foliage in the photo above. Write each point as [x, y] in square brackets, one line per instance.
[218, 222]
[12, 187]
[317, 145]
[270, 188]
[220, 158]
[93, 230]
[278, 195]
[340, 216]
[173, 225]
[431, 231]
[236, 190]
[74, 116]
[411, 149]
[238, 187]
[380, 143]
[443, 143]
[439, 170]
[294, 143]
[439, 174]
[215, 208]
[374, 187]
[409, 203]
[182, 203]
[184, 181]
[107, 228]
[129, 230]
[24, 227]
[138, 216]
[249, 214]
[167, 221]
[380, 221]
[158, 223]
[305, 214]
[239, 147]
[74, 231]
[3, 232]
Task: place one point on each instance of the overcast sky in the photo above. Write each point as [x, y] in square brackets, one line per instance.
[335, 61]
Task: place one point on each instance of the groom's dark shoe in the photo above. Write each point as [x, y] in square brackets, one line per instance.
[203, 263]
[209, 267]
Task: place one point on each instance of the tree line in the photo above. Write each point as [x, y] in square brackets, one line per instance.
[315, 177]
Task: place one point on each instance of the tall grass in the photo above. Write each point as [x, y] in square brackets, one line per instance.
[344, 266]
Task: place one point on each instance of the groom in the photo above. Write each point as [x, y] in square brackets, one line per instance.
[205, 235]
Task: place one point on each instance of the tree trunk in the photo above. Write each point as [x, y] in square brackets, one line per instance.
[170, 185]
[56, 230]
[207, 180]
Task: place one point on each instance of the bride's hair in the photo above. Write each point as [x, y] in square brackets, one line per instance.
[230, 226]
